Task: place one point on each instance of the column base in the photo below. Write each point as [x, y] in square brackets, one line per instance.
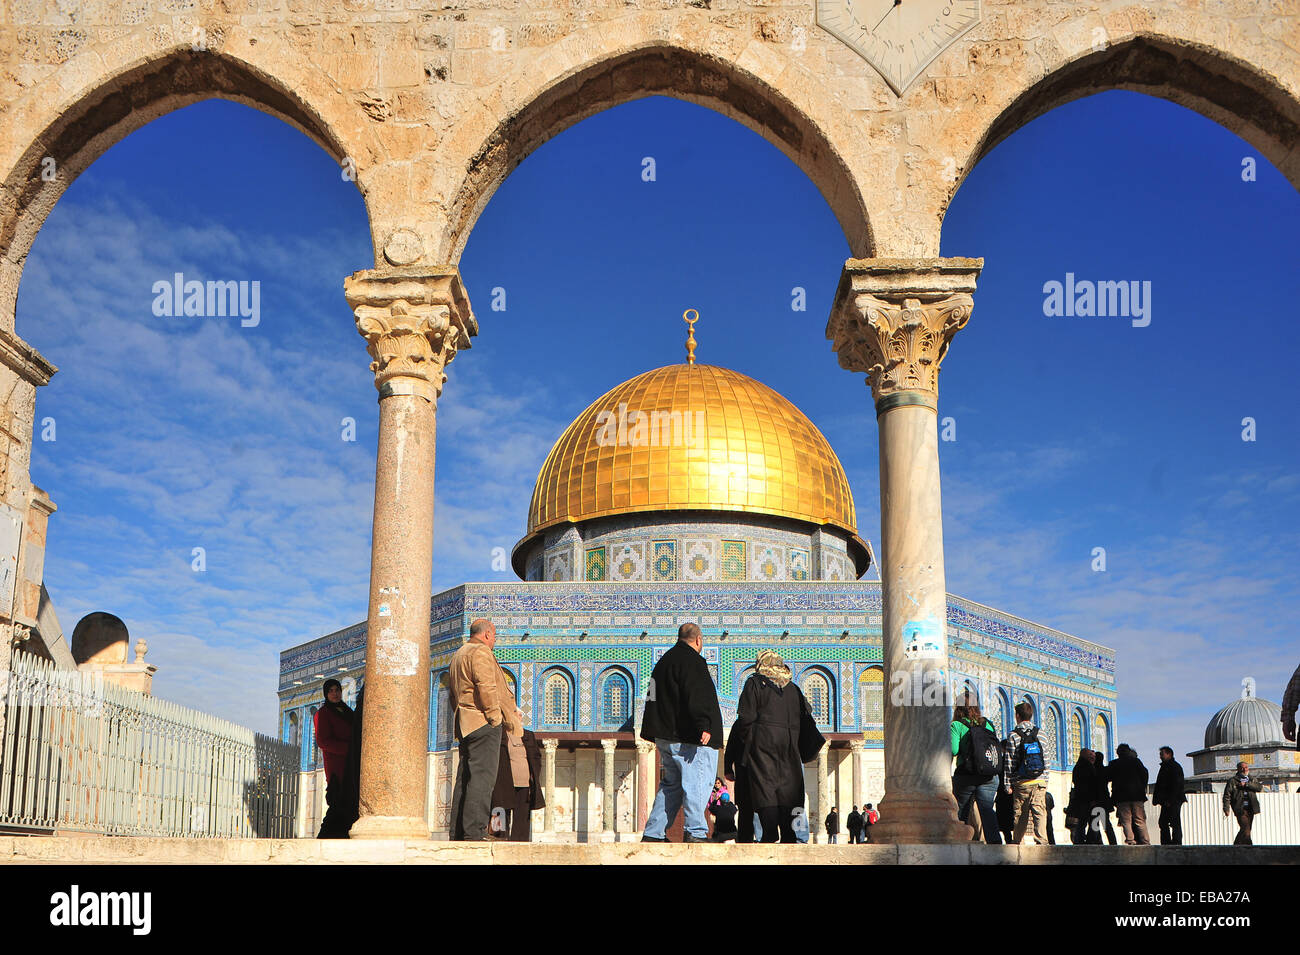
[919, 819]
[390, 827]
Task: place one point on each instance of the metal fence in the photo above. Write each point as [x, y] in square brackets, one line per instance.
[83, 755]
[1278, 822]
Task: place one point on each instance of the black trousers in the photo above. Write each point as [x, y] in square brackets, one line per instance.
[519, 814]
[340, 813]
[744, 825]
[1171, 825]
[476, 775]
[855, 836]
[776, 819]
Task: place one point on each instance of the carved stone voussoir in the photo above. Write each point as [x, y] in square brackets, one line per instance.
[414, 323]
[894, 320]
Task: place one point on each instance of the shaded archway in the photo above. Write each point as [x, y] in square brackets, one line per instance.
[656, 70]
[1239, 96]
[123, 102]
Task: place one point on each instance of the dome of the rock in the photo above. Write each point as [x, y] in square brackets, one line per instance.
[692, 438]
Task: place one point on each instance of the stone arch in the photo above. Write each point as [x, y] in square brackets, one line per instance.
[1221, 85]
[127, 92]
[491, 142]
[1101, 735]
[871, 703]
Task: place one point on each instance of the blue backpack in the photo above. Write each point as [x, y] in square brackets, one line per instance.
[1030, 761]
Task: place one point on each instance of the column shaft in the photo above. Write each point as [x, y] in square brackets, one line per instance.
[397, 643]
[608, 746]
[823, 795]
[548, 781]
[645, 782]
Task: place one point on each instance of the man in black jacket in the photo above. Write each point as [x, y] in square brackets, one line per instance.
[1128, 779]
[1170, 795]
[684, 721]
[855, 826]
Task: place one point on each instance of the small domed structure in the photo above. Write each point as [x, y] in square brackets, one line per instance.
[1249, 730]
[99, 638]
[1248, 721]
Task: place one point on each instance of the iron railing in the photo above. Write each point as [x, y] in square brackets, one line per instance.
[80, 754]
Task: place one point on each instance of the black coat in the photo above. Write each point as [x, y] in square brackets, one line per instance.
[833, 824]
[763, 749]
[1085, 792]
[682, 702]
[1104, 797]
[503, 793]
[1128, 779]
[1169, 790]
[855, 821]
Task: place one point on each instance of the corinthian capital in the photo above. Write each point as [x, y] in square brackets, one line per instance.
[413, 322]
[894, 319]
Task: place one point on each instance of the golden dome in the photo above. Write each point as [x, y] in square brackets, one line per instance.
[692, 437]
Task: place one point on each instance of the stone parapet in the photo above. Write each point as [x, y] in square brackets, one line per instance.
[115, 850]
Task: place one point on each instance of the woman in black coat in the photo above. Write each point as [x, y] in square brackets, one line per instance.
[762, 754]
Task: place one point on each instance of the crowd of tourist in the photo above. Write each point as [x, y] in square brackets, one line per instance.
[1000, 785]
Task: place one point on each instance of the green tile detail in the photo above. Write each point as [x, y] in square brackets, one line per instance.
[595, 563]
[733, 560]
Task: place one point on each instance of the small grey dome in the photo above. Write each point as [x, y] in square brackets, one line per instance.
[1248, 721]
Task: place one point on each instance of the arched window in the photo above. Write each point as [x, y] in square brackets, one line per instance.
[556, 696]
[1101, 735]
[313, 754]
[615, 700]
[871, 704]
[1051, 737]
[445, 715]
[293, 733]
[997, 713]
[817, 691]
[966, 694]
[1033, 707]
[1076, 735]
[510, 682]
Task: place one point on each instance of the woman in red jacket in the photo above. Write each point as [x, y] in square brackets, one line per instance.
[333, 725]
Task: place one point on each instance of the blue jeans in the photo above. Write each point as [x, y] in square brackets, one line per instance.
[973, 789]
[686, 774]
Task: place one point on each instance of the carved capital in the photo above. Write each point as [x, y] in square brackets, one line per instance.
[894, 319]
[549, 744]
[609, 745]
[414, 323]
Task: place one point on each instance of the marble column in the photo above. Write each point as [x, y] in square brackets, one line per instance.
[856, 747]
[610, 787]
[823, 796]
[548, 783]
[894, 319]
[414, 322]
[646, 784]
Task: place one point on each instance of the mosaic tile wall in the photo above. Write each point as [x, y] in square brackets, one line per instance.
[590, 631]
[640, 548]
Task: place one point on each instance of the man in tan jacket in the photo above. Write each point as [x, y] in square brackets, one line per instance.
[484, 706]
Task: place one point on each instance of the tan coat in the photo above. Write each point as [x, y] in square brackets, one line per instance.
[480, 692]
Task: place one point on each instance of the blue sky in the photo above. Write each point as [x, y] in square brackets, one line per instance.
[1071, 433]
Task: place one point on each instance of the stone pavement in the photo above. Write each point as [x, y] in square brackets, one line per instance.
[118, 850]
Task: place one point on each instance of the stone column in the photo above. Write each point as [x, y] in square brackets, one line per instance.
[609, 745]
[894, 319]
[855, 755]
[548, 782]
[414, 322]
[823, 796]
[646, 784]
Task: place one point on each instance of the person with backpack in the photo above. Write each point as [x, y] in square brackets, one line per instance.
[869, 818]
[975, 781]
[1024, 773]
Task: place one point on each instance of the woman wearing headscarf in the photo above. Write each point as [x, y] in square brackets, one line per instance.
[333, 726]
[1083, 796]
[762, 753]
